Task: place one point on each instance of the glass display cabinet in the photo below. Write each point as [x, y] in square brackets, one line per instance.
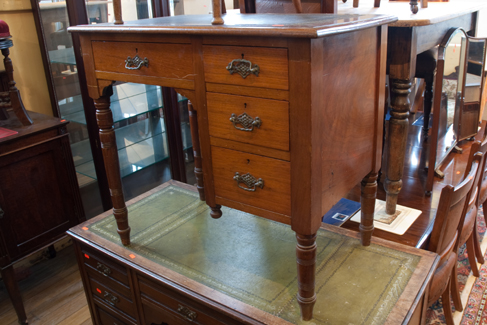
[149, 140]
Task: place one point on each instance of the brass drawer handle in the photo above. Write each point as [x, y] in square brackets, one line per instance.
[187, 313]
[103, 269]
[243, 68]
[111, 299]
[246, 121]
[250, 181]
[136, 63]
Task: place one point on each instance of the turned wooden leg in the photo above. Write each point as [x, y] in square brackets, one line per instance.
[398, 132]
[306, 261]
[8, 276]
[217, 12]
[216, 211]
[367, 200]
[414, 6]
[198, 166]
[15, 100]
[104, 118]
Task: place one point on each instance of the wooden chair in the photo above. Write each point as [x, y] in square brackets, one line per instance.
[445, 236]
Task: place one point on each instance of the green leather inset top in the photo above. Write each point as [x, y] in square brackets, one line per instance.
[253, 259]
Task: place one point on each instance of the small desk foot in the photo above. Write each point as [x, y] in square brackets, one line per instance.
[216, 211]
[8, 276]
[306, 261]
[367, 200]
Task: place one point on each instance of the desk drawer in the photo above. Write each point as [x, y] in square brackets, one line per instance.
[272, 66]
[257, 121]
[105, 267]
[173, 61]
[274, 195]
[113, 298]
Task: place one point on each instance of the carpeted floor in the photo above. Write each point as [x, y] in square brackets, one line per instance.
[478, 294]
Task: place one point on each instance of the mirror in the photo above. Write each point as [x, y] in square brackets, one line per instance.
[448, 100]
[475, 78]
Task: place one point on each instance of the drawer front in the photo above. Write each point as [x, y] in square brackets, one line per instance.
[107, 318]
[112, 298]
[257, 121]
[173, 61]
[272, 66]
[103, 266]
[274, 194]
[164, 305]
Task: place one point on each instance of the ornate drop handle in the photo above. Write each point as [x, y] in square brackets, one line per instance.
[103, 269]
[250, 181]
[246, 121]
[110, 298]
[136, 63]
[243, 68]
[187, 313]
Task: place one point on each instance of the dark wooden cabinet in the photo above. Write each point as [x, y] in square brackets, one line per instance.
[39, 195]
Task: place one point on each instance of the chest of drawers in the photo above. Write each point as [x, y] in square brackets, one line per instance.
[289, 110]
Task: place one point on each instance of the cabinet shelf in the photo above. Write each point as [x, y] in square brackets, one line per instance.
[139, 145]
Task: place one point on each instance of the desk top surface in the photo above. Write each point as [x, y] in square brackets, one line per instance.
[248, 263]
[274, 25]
[435, 13]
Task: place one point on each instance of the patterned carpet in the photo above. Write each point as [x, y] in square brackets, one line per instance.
[435, 316]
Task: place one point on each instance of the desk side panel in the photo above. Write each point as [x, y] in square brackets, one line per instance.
[349, 113]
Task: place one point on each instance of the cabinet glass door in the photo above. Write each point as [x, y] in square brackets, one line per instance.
[143, 139]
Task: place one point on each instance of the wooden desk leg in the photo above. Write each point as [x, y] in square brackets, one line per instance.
[198, 167]
[8, 276]
[398, 132]
[428, 101]
[104, 118]
[306, 261]
[367, 200]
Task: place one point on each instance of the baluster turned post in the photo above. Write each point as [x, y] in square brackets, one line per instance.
[217, 12]
[117, 10]
[198, 166]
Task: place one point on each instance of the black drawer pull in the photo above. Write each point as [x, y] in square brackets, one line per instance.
[187, 313]
[111, 299]
[103, 269]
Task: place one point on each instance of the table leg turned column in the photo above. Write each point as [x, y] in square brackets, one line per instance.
[216, 211]
[306, 261]
[8, 276]
[104, 118]
[198, 167]
[367, 200]
[414, 6]
[397, 138]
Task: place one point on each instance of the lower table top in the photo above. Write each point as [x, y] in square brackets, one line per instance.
[250, 261]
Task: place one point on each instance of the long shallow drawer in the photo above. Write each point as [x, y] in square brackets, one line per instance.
[173, 61]
[113, 298]
[165, 305]
[107, 317]
[253, 180]
[263, 67]
[257, 121]
[105, 267]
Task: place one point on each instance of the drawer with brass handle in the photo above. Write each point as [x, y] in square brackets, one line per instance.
[253, 180]
[100, 265]
[112, 297]
[257, 121]
[247, 66]
[159, 60]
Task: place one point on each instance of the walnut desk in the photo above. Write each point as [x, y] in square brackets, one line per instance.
[409, 36]
[289, 110]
